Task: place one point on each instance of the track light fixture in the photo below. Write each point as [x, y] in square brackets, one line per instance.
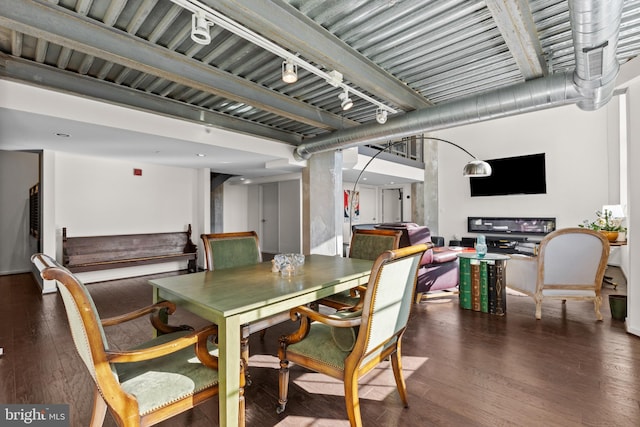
[289, 72]
[200, 28]
[347, 103]
[381, 116]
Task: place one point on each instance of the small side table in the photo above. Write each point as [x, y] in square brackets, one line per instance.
[608, 280]
[482, 284]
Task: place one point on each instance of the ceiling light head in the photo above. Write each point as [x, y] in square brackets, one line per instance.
[347, 103]
[381, 116]
[200, 28]
[289, 72]
[477, 168]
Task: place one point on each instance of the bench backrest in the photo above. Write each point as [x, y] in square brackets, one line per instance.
[100, 252]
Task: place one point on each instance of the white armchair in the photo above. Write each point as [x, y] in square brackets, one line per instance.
[570, 265]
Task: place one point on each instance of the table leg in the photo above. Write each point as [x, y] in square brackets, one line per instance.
[164, 316]
[229, 371]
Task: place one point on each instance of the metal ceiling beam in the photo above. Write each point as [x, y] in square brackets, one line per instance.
[595, 28]
[285, 25]
[53, 78]
[59, 26]
[515, 22]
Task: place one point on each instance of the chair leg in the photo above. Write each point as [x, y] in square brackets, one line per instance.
[418, 297]
[99, 409]
[241, 409]
[351, 399]
[396, 364]
[597, 302]
[538, 309]
[283, 385]
[244, 356]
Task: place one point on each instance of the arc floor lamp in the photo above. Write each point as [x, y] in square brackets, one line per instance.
[474, 168]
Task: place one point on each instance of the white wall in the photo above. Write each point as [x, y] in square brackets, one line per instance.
[290, 227]
[577, 152]
[235, 215]
[633, 208]
[243, 210]
[97, 196]
[18, 173]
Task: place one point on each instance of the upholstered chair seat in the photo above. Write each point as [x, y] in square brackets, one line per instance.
[158, 382]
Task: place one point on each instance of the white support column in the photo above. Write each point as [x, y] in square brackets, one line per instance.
[431, 205]
[322, 204]
[633, 209]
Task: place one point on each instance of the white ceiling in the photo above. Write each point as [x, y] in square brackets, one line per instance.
[32, 119]
[28, 131]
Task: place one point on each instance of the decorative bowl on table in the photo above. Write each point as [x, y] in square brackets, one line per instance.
[288, 264]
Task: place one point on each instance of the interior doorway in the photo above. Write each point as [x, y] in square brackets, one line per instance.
[392, 205]
[368, 214]
[269, 223]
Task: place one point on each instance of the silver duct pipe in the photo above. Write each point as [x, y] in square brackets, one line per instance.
[595, 25]
[552, 91]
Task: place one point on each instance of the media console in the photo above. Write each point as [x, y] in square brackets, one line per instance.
[506, 245]
[523, 227]
[508, 225]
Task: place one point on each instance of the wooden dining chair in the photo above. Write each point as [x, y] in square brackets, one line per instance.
[149, 383]
[365, 244]
[237, 249]
[348, 347]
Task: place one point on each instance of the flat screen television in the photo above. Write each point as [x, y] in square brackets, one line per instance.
[512, 175]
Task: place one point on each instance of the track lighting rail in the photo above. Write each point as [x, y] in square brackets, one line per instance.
[333, 78]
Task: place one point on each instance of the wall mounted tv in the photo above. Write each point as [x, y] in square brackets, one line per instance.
[512, 175]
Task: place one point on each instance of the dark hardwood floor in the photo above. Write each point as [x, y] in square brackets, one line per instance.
[462, 368]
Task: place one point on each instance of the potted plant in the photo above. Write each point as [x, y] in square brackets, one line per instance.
[606, 224]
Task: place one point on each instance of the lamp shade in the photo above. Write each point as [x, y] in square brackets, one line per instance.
[616, 210]
[289, 72]
[477, 168]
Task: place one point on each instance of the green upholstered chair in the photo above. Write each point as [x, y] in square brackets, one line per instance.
[377, 331]
[228, 250]
[150, 382]
[365, 244]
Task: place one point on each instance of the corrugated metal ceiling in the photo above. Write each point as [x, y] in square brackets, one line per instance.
[407, 54]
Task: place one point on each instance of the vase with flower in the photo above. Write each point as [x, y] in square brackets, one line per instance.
[606, 224]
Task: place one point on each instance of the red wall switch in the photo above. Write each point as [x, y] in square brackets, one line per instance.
[137, 172]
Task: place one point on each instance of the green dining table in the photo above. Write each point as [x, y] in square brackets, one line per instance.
[236, 296]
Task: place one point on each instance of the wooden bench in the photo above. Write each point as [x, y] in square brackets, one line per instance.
[93, 253]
